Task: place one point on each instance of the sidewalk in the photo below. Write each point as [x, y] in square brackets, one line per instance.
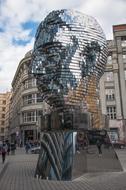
[19, 175]
[122, 157]
[3, 167]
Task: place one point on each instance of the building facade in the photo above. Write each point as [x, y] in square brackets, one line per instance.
[7, 115]
[26, 104]
[113, 84]
[4, 115]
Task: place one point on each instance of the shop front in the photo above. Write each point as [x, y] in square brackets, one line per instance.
[29, 133]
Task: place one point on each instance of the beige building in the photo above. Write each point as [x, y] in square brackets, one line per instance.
[4, 115]
[113, 84]
[26, 104]
[7, 116]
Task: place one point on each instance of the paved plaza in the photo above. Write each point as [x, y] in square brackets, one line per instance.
[18, 174]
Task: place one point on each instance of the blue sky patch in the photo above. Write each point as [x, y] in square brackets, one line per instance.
[32, 26]
[2, 30]
[20, 42]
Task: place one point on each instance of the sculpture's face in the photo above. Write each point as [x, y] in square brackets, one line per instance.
[69, 47]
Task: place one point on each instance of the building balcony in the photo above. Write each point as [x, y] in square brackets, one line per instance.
[109, 84]
[125, 64]
[109, 67]
[124, 48]
[29, 90]
[110, 103]
[34, 106]
[29, 123]
[28, 126]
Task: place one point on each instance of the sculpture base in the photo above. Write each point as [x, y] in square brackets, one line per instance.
[69, 155]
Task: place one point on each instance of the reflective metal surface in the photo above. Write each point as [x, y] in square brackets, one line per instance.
[68, 155]
[67, 120]
[68, 60]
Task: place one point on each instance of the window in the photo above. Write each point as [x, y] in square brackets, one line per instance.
[124, 56]
[39, 98]
[109, 59]
[4, 102]
[2, 130]
[123, 41]
[111, 112]
[29, 117]
[109, 76]
[30, 83]
[113, 134]
[33, 82]
[3, 109]
[26, 84]
[2, 122]
[29, 99]
[3, 115]
[125, 74]
[110, 94]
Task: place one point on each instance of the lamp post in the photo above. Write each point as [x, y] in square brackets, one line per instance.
[37, 128]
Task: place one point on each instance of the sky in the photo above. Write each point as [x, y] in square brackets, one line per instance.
[19, 20]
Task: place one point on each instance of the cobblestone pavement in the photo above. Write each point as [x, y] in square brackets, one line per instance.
[3, 166]
[19, 175]
[122, 157]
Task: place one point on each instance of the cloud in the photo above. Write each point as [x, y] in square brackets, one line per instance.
[107, 13]
[10, 59]
[19, 20]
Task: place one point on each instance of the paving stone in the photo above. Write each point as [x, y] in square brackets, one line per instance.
[19, 175]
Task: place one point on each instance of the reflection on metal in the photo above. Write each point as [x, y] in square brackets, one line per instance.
[55, 160]
[68, 155]
[68, 120]
[68, 60]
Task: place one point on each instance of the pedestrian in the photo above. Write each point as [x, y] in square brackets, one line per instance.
[8, 148]
[3, 154]
[27, 147]
[12, 147]
[99, 146]
[20, 143]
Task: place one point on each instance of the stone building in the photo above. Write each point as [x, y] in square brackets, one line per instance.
[4, 115]
[26, 104]
[7, 116]
[113, 84]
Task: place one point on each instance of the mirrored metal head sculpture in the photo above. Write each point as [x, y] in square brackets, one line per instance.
[68, 60]
[69, 49]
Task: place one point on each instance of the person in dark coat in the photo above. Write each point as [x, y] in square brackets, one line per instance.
[27, 147]
[3, 154]
[13, 148]
[99, 146]
[8, 148]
